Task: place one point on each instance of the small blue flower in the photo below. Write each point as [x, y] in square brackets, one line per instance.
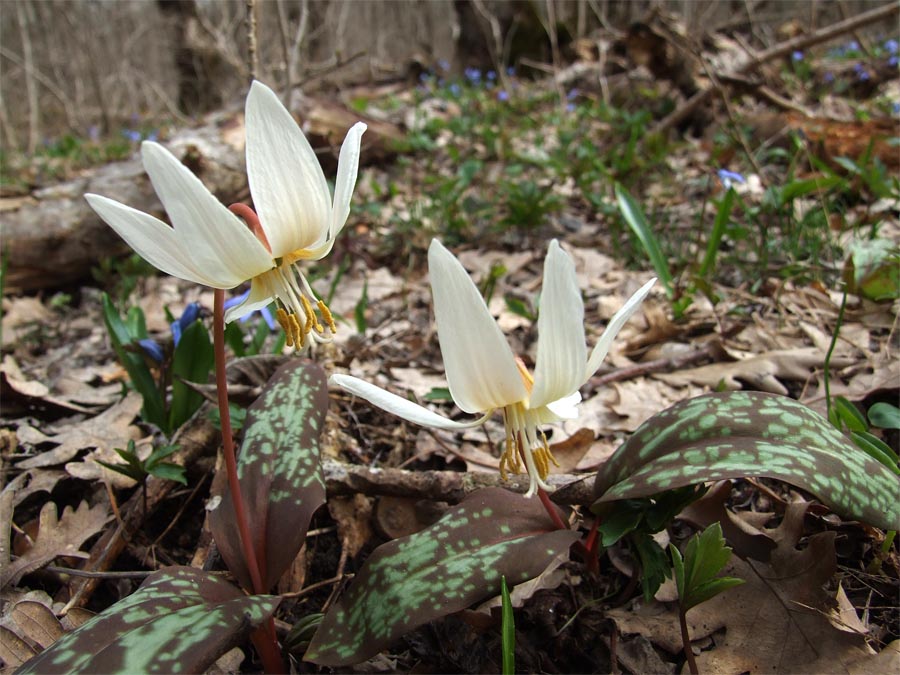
[473, 75]
[132, 135]
[861, 73]
[491, 75]
[829, 76]
[424, 77]
[852, 46]
[797, 55]
[454, 89]
[152, 349]
[94, 132]
[152, 136]
[570, 107]
[891, 46]
[502, 95]
[444, 65]
[729, 178]
[511, 71]
[573, 93]
[892, 61]
[895, 108]
[188, 316]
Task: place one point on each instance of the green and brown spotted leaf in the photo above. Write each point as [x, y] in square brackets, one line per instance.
[744, 433]
[279, 471]
[179, 621]
[445, 568]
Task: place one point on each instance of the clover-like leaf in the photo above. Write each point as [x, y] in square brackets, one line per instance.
[279, 471]
[695, 574]
[180, 620]
[743, 433]
[442, 569]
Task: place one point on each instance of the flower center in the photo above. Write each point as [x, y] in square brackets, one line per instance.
[291, 290]
[293, 293]
[525, 441]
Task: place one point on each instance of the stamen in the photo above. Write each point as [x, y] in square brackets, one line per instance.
[311, 321]
[282, 317]
[327, 316]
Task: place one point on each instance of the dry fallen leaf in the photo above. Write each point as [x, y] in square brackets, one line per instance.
[110, 429]
[57, 537]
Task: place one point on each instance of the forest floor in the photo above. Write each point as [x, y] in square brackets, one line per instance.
[777, 275]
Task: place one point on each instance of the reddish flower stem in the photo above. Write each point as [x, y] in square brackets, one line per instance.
[264, 637]
[551, 509]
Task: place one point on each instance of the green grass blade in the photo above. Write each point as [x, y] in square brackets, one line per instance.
[507, 630]
[633, 215]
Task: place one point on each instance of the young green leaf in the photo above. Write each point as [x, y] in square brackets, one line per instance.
[180, 620]
[279, 470]
[193, 361]
[884, 416]
[507, 630]
[735, 434]
[141, 378]
[633, 215]
[848, 415]
[695, 575]
[442, 569]
[876, 448]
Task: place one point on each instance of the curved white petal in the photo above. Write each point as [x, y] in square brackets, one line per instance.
[561, 353]
[158, 244]
[286, 179]
[217, 241]
[481, 369]
[398, 405]
[260, 296]
[345, 181]
[566, 408]
[612, 329]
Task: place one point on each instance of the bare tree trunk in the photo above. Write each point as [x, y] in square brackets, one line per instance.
[34, 113]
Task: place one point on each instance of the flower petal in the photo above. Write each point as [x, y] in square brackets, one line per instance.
[286, 179]
[561, 353]
[157, 243]
[217, 241]
[259, 296]
[345, 181]
[398, 405]
[613, 328]
[566, 408]
[481, 369]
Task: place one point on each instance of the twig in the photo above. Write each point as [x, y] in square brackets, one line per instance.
[252, 56]
[799, 43]
[657, 366]
[98, 575]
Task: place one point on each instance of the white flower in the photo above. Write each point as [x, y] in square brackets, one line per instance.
[210, 245]
[485, 376]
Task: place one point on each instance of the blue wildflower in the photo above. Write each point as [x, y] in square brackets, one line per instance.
[570, 107]
[572, 94]
[853, 46]
[891, 46]
[892, 61]
[895, 108]
[444, 65]
[861, 73]
[473, 75]
[729, 178]
[94, 132]
[797, 55]
[188, 316]
[491, 75]
[502, 95]
[132, 135]
[454, 89]
[152, 349]
[829, 76]
[511, 71]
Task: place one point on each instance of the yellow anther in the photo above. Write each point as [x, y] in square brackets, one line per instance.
[299, 335]
[326, 315]
[312, 323]
[282, 317]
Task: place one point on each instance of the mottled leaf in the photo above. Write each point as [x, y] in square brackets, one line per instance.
[180, 620]
[442, 569]
[279, 470]
[741, 433]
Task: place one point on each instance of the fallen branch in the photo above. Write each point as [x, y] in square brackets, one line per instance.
[798, 43]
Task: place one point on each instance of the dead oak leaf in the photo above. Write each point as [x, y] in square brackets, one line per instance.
[762, 371]
[110, 429]
[57, 536]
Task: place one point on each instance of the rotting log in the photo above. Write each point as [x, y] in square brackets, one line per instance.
[53, 238]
